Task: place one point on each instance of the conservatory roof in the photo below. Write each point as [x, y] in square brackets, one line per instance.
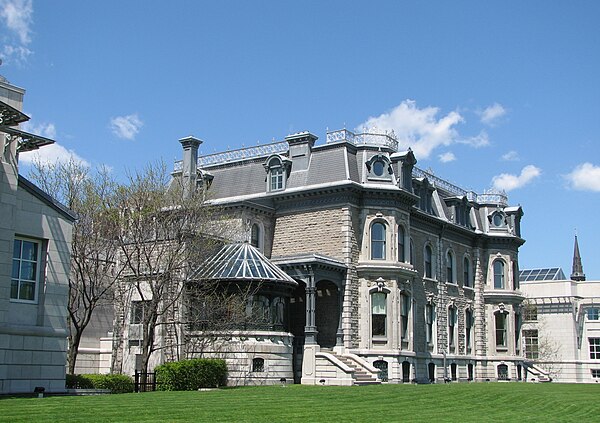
[241, 262]
[548, 274]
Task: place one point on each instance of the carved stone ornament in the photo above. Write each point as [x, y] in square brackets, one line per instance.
[380, 283]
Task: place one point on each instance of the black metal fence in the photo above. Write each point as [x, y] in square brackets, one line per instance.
[144, 382]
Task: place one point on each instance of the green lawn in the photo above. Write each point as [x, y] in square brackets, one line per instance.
[453, 402]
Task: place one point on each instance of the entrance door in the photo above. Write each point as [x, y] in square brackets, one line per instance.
[327, 313]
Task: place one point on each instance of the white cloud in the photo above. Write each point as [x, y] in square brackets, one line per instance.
[585, 177]
[126, 127]
[47, 130]
[511, 156]
[508, 182]
[53, 153]
[491, 114]
[17, 17]
[419, 129]
[447, 157]
[480, 140]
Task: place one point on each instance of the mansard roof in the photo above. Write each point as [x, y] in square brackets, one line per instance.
[241, 262]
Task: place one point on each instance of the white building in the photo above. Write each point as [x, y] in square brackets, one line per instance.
[561, 322]
[35, 244]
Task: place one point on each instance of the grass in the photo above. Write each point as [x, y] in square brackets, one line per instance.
[477, 402]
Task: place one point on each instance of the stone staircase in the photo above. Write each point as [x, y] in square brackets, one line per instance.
[542, 375]
[361, 374]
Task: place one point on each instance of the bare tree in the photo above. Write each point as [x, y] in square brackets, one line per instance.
[163, 231]
[94, 270]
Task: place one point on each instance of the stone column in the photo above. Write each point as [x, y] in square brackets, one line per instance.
[310, 330]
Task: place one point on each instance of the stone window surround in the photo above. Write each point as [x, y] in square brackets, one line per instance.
[433, 275]
[386, 292]
[468, 280]
[260, 235]
[450, 266]
[430, 323]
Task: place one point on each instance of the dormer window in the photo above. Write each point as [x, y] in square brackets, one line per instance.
[379, 168]
[278, 170]
[497, 219]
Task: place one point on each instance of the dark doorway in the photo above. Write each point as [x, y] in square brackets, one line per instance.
[453, 371]
[470, 371]
[405, 371]
[431, 368]
[327, 313]
[297, 322]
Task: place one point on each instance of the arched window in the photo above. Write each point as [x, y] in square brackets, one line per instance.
[467, 272]
[276, 179]
[449, 267]
[255, 235]
[499, 274]
[502, 372]
[401, 249]
[428, 262]
[378, 241]
[382, 365]
[378, 313]
[258, 364]
[277, 168]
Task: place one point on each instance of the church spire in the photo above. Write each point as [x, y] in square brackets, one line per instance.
[577, 274]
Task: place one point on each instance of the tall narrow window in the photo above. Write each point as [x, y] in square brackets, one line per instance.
[401, 249]
[428, 262]
[517, 333]
[500, 330]
[449, 268]
[468, 330]
[467, 272]
[453, 368]
[255, 235]
[405, 371]
[429, 320]
[452, 329]
[276, 179]
[378, 241]
[404, 314]
[515, 268]
[378, 313]
[25, 270]
[412, 252]
[530, 337]
[499, 274]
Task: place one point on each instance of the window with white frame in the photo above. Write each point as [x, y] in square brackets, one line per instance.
[276, 178]
[450, 267]
[594, 348]
[378, 313]
[428, 262]
[404, 315]
[401, 245]
[378, 234]
[25, 270]
[498, 274]
[452, 327]
[593, 313]
[531, 340]
[277, 168]
[501, 329]
[596, 373]
[429, 323]
[468, 330]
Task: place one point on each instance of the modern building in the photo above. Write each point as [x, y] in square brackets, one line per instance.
[35, 245]
[561, 322]
[401, 276]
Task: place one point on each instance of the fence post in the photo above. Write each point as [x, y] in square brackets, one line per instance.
[137, 381]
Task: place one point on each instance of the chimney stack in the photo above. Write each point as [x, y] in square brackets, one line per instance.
[190, 162]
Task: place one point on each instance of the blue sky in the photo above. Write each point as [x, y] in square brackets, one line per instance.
[498, 94]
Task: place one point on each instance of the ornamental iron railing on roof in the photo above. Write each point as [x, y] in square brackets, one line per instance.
[371, 137]
[488, 197]
[239, 154]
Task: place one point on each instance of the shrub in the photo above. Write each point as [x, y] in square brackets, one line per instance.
[190, 375]
[118, 384]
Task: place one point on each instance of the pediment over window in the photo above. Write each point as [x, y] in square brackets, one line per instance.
[379, 167]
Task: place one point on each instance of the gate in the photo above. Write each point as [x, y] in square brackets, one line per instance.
[144, 382]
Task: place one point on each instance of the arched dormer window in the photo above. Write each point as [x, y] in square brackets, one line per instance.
[379, 167]
[278, 169]
[401, 244]
[450, 268]
[378, 234]
[499, 278]
[497, 219]
[428, 262]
